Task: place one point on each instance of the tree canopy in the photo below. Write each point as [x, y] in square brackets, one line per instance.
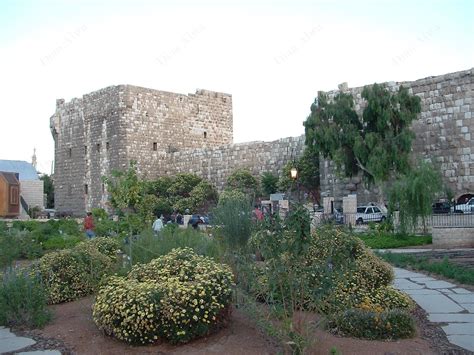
[375, 143]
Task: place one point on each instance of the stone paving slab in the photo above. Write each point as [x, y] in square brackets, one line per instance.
[422, 291]
[437, 303]
[451, 317]
[444, 302]
[5, 333]
[15, 343]
[464, 341]
[422, 279]
[439, 284]
[461, 290]
[401, 273]
[462, 298]
[404, 284]
[468, 307]
[459, 329]
[40, 352]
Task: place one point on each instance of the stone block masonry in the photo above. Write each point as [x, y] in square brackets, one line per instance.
[217, 164]
[443, 134]
[168, 133]
[106, 129]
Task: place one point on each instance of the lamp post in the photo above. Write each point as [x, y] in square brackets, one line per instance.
[294, 177]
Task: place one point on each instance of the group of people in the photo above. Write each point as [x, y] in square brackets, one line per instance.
[159, 223]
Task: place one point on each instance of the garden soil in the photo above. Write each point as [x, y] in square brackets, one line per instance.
[72, 331]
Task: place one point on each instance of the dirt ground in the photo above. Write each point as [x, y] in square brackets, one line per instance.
[73, 332]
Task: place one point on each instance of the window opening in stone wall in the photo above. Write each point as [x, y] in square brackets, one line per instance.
[85, 149]
[97, 147]
[69, 152]
[107, 145]
[103, 187]
[155, 146]
[86, 189]
[205, 135]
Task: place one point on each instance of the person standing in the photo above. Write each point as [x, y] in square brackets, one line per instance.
[157, 225]
[89, 226]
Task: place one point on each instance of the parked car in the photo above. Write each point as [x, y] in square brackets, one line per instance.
[441, 207]
[47, 213]
[467, 207]
[367, 214]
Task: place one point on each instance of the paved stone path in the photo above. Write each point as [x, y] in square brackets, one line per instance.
[11, 342]
[444, 302]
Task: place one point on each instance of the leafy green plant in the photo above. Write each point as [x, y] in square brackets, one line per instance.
[391, 324]
[177, 297]
[73, 273]
[413, 194]
[243, 181]
[269, 183]
[23, 300]
[148, 246]
[233, 218]
[376, 143]
[388, 240]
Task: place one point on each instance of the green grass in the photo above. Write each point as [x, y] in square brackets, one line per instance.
[388, 241]
[444, 268]
[148, 246]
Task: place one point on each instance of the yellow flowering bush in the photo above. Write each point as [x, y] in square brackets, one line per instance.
[72, 273]
[128, 310]
[183, 296]
[105, 245]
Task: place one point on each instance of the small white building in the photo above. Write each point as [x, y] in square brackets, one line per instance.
[31, 187]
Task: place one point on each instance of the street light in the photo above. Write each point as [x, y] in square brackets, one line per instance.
[294, 173]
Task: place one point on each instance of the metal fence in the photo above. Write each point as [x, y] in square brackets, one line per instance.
[448, 220]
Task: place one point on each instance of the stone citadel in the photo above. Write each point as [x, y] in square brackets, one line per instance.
[168, 133]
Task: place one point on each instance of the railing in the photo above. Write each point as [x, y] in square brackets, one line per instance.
[448, 220]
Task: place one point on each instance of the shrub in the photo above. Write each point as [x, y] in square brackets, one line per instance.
[106, 246]
[149, 246]
[332, 270]
[129, 310]
[233, 215]
[182, 296]
[23, 300]
[391, 324]
[72, 273]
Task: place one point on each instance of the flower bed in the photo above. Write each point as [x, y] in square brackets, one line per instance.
[176, 297]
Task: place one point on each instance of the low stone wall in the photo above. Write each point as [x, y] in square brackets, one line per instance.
[453, 237]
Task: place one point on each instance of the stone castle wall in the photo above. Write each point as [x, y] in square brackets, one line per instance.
[106, 129]
[443, 134]
[217, 164]
[169, 133]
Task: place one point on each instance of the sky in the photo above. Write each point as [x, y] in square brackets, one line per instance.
[272, 56]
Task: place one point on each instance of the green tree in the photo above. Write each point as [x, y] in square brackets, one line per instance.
[48, 190]
[159, 187]
[308, 175]
[244, 181]
[376, 143]
[269, 183]
[183, 184]
[125, 189]
[413, 195]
